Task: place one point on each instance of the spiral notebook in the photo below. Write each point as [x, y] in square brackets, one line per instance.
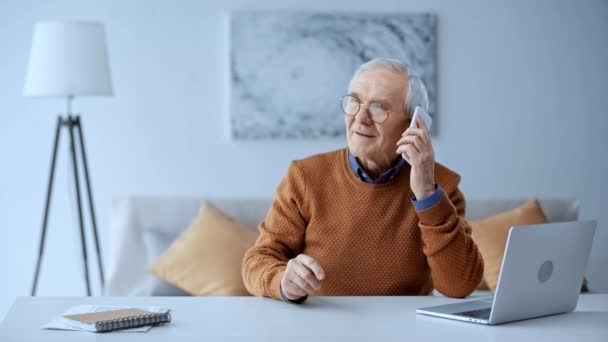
[110, 318]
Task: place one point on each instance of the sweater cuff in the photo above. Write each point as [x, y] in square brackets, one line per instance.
[437, 214]
[275, 285]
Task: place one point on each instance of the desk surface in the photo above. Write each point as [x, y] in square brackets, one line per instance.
[321, 318]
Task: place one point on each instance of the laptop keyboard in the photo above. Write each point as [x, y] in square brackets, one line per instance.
[483, 313]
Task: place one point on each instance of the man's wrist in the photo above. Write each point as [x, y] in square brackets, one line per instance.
[429, 201]
[426, 194]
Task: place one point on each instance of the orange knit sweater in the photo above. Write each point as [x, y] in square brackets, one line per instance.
[369, 238]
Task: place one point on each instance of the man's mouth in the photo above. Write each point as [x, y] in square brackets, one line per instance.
[364, 135]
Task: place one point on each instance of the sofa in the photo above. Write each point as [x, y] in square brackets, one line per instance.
[143, 227]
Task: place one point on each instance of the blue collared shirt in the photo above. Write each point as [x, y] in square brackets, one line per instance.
[388, 175]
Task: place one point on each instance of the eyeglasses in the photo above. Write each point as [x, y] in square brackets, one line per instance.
[351, 105]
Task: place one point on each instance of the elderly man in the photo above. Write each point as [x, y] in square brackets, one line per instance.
[361, 220]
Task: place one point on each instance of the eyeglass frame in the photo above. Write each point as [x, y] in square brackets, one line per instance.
[388, 112]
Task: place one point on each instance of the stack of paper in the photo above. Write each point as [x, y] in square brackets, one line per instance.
[63, 323]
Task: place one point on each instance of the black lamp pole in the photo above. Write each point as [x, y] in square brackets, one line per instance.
[72, 123]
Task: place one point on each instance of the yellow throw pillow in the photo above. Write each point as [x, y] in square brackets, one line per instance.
[490, 235]
[205, 260]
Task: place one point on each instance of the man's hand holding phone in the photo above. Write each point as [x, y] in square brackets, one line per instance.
[416, 148]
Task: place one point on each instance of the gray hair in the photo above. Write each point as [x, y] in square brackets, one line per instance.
[416, 91]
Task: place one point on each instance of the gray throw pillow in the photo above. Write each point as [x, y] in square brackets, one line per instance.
[156, 243]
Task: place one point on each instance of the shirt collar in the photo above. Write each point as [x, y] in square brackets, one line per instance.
[385, 177]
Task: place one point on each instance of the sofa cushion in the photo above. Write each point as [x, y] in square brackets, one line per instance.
[206, 258]
[135, 217]
[156, 244]
[490, 234]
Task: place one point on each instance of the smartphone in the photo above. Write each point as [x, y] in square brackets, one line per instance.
[418, 111]
[428, 121]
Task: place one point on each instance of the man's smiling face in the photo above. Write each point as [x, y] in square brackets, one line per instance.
[366, 138]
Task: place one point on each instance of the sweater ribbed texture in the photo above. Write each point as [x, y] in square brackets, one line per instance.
[368, 238]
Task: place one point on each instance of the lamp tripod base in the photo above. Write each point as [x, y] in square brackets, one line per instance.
[72, 124]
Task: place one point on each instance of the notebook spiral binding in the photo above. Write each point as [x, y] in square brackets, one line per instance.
[133, 322]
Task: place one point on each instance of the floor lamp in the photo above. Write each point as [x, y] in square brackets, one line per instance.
[69, 59]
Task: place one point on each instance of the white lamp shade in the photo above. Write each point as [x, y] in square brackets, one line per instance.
[68, 59]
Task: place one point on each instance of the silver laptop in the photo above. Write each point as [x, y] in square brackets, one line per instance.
[541, 274]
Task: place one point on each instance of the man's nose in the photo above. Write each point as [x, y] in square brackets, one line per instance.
[364, 116]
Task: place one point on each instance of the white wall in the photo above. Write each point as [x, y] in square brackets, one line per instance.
[522, 102]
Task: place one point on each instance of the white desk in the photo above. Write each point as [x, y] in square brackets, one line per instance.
[320, 319]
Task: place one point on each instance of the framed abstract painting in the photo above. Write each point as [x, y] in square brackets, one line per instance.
[289, 69]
